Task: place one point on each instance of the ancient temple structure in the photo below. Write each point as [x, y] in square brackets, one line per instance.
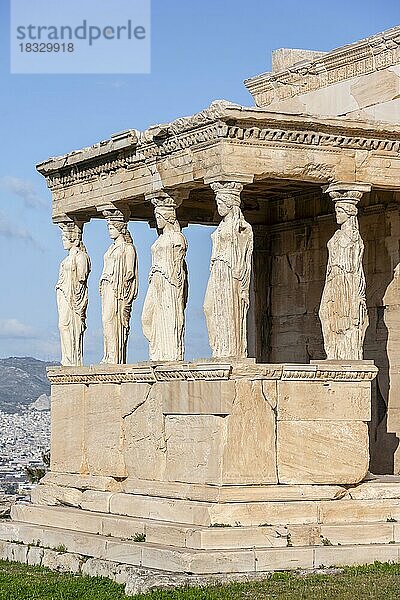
[276, 435]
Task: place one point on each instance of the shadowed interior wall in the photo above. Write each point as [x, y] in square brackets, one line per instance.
[290, 263]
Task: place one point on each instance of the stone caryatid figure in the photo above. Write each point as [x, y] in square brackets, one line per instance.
[72, 294]
[163, 318]
[118, 288]
[343, 310]
[227, 297]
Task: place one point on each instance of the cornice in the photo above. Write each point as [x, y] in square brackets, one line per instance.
[377, 52]
[221, 122]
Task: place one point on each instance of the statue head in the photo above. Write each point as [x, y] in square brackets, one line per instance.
[116, 228]
[223, 206]
[227, 196]
[345, 210]
[165, 207]
[71, 235]
[117, 225]
[164, 215]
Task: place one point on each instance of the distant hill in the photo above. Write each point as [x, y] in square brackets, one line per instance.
[22, 381]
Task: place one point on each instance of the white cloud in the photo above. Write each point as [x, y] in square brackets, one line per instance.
[12, 328]
[12, 231]
[23, 189]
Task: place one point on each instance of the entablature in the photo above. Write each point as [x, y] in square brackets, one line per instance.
[223, 142]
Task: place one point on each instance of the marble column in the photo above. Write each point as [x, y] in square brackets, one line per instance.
[118, 287]
[343, 309]
[72, 293]
[227, 296]
[163, 317]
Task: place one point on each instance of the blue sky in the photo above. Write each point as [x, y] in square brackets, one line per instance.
[201, 51]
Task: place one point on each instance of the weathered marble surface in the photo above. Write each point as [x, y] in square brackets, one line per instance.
[118, 288]
[282, 160]
[72, 294]
[227, 296]
[322, 451]
[238, 423]
[163, 317]
[343, 308]
[226, 554]
[364, 83]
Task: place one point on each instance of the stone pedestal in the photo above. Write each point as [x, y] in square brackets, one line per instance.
[213, 424]
[209, 468]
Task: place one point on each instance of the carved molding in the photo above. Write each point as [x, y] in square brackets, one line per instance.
[150, 374]
[207, 372]
[362, 58]
[91, 378]
[245, 133]
[322, 375]
[213, 371]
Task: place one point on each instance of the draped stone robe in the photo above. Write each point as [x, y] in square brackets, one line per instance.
[72, 301]
[164, 305]
[343, 311]
[227, 296]
[118, 289]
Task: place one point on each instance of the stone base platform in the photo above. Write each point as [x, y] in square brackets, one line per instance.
[360, 525]
[208, 470]
[199, 424]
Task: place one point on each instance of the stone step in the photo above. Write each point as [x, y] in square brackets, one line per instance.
[169, 534]
[193, 491]
[27, 538]
[255, 513]
[369, 502]
[200, 537]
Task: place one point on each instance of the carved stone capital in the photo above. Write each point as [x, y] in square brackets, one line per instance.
[112, 214]
[347, 192]
[164, 199]
[230, 190]
[71, 226]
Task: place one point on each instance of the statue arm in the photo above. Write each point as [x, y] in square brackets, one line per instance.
[135, 274]
[360, 269]
[130, 281]
[178, 257]
[82, 266]
[356, 282]
[81, 271]
[242, 256]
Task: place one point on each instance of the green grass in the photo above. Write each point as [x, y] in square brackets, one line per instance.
[380, 581]
[19, 582]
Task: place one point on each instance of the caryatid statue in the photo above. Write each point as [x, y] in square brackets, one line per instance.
[118, 288]
[163, 317]
[343, 310]
[227, 297]
[72, 294]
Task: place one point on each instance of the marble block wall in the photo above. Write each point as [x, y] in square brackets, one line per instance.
[229, 424]
[359, 80]
[374, 96]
